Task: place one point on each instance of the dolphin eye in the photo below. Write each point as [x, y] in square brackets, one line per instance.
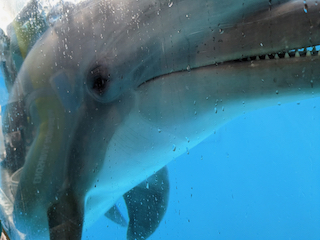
[98, 81]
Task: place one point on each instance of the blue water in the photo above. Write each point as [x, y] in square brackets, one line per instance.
[258, 177]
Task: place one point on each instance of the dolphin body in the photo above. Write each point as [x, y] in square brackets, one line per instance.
[138, 83]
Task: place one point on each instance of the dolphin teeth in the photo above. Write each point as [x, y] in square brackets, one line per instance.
[301, 52]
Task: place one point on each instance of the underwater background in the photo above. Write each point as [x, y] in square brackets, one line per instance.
[257, 177]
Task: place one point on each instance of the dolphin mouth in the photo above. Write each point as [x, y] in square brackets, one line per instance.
[311, 51]
[303, 53]
[294, 54]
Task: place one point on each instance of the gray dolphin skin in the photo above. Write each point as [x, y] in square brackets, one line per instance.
[115, 90]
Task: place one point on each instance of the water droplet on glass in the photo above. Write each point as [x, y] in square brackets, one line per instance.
[174, 147]
[188, 140]
[159, 130]
[305, 9]
[188, 68]
[277, 92]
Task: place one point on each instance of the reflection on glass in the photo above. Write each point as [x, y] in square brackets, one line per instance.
[101, 100]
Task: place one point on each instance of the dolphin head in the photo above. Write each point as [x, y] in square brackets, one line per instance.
[116, 90]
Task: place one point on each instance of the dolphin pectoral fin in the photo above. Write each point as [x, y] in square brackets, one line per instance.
[115, 215]
[66, 218]
[147, 203]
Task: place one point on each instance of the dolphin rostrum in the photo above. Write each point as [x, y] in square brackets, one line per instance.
[115, 90]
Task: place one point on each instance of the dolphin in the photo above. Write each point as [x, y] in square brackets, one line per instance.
[115, 90]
